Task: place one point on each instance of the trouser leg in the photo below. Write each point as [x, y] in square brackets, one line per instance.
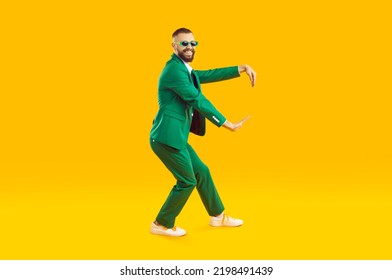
[180, 165]
[205, 185]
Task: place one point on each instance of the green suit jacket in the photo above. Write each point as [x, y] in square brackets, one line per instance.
[182, 105]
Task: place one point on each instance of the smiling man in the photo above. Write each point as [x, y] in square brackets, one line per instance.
[188, 43]
[183, 108]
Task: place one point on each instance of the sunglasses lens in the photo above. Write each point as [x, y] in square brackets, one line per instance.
[186, 43]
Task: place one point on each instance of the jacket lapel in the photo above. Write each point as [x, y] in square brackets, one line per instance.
[198, 125]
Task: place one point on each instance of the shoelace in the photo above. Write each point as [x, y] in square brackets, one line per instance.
[173, 228]
[228, 218]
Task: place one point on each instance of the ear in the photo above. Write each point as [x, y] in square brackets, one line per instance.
[173, 46]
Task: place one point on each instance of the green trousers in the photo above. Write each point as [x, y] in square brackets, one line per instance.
[190, 172]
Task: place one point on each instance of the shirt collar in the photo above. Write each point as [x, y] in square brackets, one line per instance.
[188, 66]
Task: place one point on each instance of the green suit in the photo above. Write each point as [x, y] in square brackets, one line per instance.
[183, 109]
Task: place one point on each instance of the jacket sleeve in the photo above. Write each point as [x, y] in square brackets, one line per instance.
[178, 80]
[218, 74]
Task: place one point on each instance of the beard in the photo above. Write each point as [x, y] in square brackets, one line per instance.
[187, 58]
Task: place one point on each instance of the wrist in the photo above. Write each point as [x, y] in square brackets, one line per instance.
[227, 125]
[241, 68]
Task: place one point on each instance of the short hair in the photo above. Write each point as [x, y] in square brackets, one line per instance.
[181, 30]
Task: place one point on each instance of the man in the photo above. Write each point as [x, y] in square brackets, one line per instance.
[183, 109]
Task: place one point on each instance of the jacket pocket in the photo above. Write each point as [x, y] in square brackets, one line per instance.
[175, 115]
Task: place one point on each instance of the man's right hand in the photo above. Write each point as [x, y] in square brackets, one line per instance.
[235, 126]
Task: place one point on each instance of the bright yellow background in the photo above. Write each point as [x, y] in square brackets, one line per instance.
[310, 173]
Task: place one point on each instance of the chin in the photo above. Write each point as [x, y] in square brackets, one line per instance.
[189, 59]
[186, 59]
